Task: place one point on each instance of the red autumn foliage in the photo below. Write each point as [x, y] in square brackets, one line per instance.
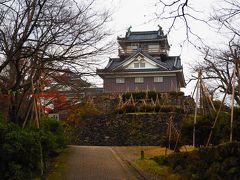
[59, 101]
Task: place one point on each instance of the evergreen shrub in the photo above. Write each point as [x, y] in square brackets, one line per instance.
[21, 149]
[203, 128]
[215, 162]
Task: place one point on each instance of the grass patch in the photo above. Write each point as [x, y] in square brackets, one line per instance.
[149, 166]
[187, 148]
[161, 172]
[58, 166]
[133, 152]
[150, 152]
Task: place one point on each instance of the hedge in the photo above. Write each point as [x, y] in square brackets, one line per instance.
[215, 162]
[149, 94]
[21, 149]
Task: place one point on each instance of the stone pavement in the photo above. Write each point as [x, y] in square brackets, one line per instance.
[97, 163]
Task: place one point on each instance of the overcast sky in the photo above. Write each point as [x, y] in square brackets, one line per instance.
[140, 14]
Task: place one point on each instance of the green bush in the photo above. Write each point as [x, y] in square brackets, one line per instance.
[149, 95]
[173, 93]
[145, 102]
[175, 144]
[236, 124]
[21, 149]
[136, 95]
[203, 128]
[216, 162]
[175, 160]
[170, 108]
[85, 109]
[147, 108]
[19, 153]
[54, 130]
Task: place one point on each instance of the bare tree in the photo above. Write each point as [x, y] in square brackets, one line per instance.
[218, 66]
[185, 12]
[227, 14]
[38, 37]
[180, 13]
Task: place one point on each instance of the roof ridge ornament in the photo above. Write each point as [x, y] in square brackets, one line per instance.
[129, 31]
[160, 31]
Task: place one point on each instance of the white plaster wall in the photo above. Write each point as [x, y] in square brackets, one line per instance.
[147, 65]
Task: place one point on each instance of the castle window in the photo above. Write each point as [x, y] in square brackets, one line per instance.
[136, 65]
[139, 65]
[153, 48]
[120, 80]
[139, 80]
[134, 46]
[158, 79]
[142, 65]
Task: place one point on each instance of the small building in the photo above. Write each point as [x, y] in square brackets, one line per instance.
[143, 64]
[62, 92]
[69, 84]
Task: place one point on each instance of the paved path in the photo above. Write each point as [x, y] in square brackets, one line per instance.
[96, 163]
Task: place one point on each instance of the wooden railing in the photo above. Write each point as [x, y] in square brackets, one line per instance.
[147, 50]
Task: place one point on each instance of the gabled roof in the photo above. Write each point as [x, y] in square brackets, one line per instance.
[164, 63]
[143, 35]
[70, 79]
[159, 63]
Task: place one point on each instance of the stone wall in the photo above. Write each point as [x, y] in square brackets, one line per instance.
[110, 127]
[123, 129]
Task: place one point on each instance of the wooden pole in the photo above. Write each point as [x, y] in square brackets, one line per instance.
[27, 115]
[196, 108]
[208, 96]
[232, 109]
[166, 149]
[170, 133]
[219, 110]
[178, 137]
[201, 99]
[35, 109]
[195, 89]
[215, 120]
